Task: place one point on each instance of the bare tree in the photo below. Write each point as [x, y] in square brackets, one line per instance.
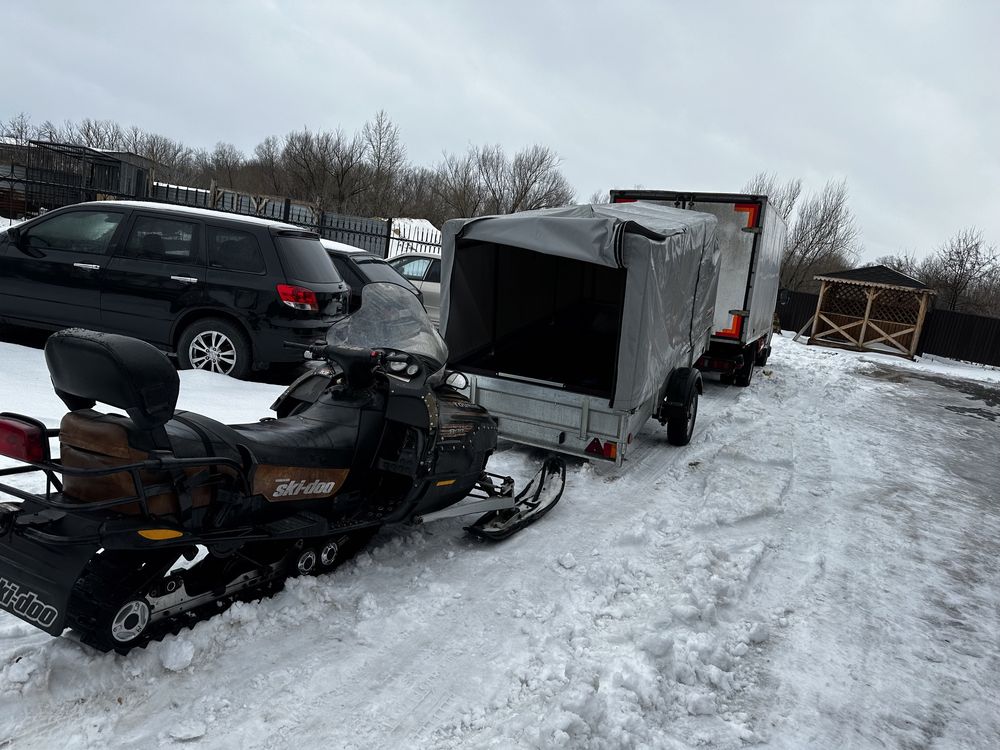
[386, 161]
[536, 181]
[782, 196]
[267, 156]
[965, 271]
[18, 128]
[822, 239]
[226, 161]
[173, 161]
[458, 185]
[905, 263]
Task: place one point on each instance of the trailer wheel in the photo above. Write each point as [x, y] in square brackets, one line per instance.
[680, 428]
[680, 408]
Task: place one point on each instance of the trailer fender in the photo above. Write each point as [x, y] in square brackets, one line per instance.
[682, 385]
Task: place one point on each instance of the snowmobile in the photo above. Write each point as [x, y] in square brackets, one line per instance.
[153, 521]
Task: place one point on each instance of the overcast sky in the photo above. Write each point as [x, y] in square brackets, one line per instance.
[898, 98]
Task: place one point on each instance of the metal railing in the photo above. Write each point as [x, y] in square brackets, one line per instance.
[38, 177]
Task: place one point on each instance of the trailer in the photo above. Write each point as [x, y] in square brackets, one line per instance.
[575, 325]
[751, 242]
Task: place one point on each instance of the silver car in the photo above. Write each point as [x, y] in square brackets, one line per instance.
[423, 270]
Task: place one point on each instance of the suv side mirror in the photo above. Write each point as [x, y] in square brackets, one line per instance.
[14, 236]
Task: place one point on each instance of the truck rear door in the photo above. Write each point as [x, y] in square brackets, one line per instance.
[739, 223]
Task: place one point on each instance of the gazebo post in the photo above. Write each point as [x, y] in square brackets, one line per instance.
[819, 309]
[864, 321]
[920, 324]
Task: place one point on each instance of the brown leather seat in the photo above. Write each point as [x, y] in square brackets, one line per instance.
[91, 440]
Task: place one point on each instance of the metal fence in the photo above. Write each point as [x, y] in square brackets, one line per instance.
[955, 335]
[40, 176]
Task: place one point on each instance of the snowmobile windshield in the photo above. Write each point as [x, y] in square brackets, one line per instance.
[390, 317]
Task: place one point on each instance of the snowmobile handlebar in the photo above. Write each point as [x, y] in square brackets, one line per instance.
[360, 365]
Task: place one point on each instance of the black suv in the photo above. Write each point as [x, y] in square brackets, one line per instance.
[223, 291]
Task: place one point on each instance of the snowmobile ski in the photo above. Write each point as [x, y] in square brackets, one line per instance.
[537, 498]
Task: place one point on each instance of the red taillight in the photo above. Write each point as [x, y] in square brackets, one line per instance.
[298, 297]
[22, 440]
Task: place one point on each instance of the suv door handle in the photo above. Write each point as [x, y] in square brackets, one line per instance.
[87, 266]
[185, 279]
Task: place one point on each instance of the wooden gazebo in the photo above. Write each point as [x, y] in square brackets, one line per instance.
[871, 309]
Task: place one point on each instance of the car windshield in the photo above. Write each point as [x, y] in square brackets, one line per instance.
[390, 317]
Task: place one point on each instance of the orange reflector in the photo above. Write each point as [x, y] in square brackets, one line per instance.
[607, 450]
[446, 483]
[734, 330]
[160, 534]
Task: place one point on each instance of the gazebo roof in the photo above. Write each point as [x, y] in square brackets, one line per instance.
[880, 276]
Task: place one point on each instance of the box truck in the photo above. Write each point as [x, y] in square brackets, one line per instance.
[751, 236]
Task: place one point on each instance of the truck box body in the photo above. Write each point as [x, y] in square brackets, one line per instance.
[751, 242]
[569, 321]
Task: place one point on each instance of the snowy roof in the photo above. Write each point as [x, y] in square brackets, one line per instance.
[343, 247]
[205, 212]
[882, 276]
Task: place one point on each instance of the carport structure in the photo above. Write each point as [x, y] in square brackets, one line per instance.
[871, 309]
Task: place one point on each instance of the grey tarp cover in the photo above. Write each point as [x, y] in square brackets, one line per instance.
[672, 260]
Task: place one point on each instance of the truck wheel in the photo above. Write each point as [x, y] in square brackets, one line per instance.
[216, 345]
[680, 427]
[744, 375]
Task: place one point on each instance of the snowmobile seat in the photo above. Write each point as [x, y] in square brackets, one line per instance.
[87, 367]
[91, 440]
[292, 441]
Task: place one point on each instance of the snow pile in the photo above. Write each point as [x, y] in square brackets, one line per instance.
[414, 236]
[5, 222]
[819, 568]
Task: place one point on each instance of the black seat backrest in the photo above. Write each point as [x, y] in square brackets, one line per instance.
[86, 367]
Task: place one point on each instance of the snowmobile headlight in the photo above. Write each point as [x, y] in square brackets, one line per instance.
[397, 365]
[412, 370]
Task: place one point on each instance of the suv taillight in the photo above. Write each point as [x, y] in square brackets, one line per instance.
[298, 297]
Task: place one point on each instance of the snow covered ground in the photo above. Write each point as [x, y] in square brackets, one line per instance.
[819, 568]
[5, 222]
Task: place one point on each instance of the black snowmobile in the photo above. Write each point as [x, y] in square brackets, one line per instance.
[151, 522]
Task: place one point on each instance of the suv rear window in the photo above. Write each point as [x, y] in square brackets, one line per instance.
[233, 250]
[305, 259]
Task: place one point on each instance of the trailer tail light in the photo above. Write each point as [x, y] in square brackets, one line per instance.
[608, 450]
[21, 440]
[298, 297]
[619, 199]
